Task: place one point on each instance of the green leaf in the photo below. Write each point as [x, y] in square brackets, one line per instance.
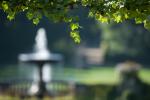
[30, 15]
[117, 17]
[11, 15]
[147, 24]
[126, 16]
[77, 40]
[5, 5]
[84, 2]
[36, 21]
[138, 20]
[114, 5]
[75, 36]
[67, 19]
[91, 14]
[74, 26]
[24, 8]
[102, 19]
[38, 15]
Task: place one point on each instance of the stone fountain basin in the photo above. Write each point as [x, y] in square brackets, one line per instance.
[40, 57]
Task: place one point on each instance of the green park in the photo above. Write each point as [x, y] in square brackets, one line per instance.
[74, 50]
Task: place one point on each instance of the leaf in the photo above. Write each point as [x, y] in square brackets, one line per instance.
[5, 5]
[74, 26]
[84, 2]
[76, 37]
[117, 18]
[138, 20]
[114, 5]
[126, 16]
[74, 34]
[147, 24]
[103, 19]
[36, 21]
[38, 15]
[90, 14]
[77, 40]
[30, 15]
[11, 15]
[67, 19]
[24, 8]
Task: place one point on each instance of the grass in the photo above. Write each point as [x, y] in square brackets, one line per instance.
[91, 76]
[145, 74]
[102, 75]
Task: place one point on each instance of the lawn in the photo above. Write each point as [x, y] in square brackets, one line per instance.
[91, 76]
[102, 75]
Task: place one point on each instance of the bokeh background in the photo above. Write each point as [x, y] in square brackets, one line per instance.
[90, 65]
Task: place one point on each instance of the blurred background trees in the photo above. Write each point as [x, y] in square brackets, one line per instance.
[125, 41]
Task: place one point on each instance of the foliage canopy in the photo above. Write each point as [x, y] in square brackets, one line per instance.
[58, 10]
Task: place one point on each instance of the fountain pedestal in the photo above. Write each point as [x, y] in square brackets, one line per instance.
[41, 84]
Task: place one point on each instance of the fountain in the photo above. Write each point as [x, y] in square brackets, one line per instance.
[40, 56]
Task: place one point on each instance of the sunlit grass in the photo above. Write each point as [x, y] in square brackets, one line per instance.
[145, 75]
[90, 76]
[94, 76]
[102, 75]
